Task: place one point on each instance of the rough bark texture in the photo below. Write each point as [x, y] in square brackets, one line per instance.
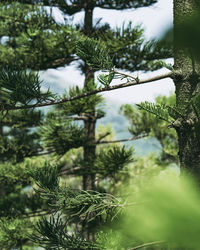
[89, 124]
[187, 83]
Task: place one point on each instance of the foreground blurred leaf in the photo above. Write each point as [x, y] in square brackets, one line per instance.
[167, 209]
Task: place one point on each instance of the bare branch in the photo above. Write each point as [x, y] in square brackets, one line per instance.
[107, 88]
[98, 142]
[123, 75]
[102, 136]
[124, 140]
[77, 118]
[69, 171]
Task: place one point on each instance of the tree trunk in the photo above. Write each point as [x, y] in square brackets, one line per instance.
[187, 84]
[89, 124]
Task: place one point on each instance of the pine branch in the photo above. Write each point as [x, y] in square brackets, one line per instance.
[123, 140]
[94, 53]
[21, 87]
[4, 107]
[40, 153]
[123, 75]
[75, 202]
[160, 110]
[53, 233]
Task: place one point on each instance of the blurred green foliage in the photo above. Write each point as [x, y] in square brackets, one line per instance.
[188, 34]
[165, 209]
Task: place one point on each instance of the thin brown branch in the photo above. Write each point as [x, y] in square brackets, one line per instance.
[105, 89]
[98, 142]
[124, 140]
[77, 118]
[69, 171]
[102, 136]
[147, 244]
[123, 75]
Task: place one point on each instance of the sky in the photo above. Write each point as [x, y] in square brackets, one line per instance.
[155, 20]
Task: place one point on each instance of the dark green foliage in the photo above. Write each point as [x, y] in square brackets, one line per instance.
[53, 233]
[22, 118]
[45, 44]
[75, 6]
[21, 205]
[13, 233]
[125, 48]
[46, 177]
[95, 53]
[21, 87]
[17, 144]
[124, 4]
[60, 135]
[111, 161]
[18, 202]
[130, 51]
[17, 198]
[13, 174]
[33, 37]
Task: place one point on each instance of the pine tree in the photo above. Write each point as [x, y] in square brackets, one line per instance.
[41, 45]
[47, 179]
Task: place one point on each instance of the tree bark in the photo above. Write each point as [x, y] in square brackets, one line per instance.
[187, 84]
[90, 123]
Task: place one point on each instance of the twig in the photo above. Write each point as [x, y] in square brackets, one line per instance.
[102, 136]
[77, 118]
[105, 89]
[69, 171]
[124, 140]
[125, 75]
